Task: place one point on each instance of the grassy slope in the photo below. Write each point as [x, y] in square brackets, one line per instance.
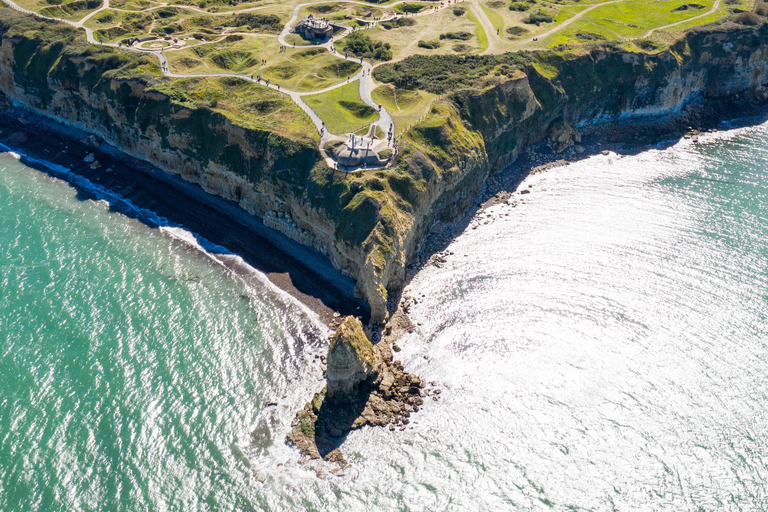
[296, 69]
[342, 109]
[410, 104]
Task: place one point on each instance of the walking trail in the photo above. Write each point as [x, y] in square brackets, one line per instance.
[365, 78]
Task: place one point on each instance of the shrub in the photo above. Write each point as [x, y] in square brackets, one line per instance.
[382, 53]
[411, 8]
[459, 10]
[166, 12]
[107, 17]
[748, 18]
[538, 18]
[265, 22]
[400, 22]
[439, 74]
[516, 32]
[686, 7]
[361, 45]
[519, 6]
[429, 45]
[589, 36]
[646, 44]
[460, 36]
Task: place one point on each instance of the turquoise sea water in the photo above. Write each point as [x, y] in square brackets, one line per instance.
[601, 344]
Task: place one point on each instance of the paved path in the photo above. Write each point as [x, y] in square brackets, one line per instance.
[366, 83]
[711, 11]
[574, 18]
[486, 26]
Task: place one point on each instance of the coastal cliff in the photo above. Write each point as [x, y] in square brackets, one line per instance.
[253, 146]
[557, 96]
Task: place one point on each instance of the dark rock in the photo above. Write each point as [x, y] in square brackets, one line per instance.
[365, 387]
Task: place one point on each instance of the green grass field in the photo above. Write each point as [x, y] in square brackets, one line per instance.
[404, 105]
[214, 37]
[342, 109]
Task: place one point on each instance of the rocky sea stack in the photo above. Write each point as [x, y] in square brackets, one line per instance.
[365, 386]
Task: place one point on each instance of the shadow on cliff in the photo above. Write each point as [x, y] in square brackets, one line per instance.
[219, 226]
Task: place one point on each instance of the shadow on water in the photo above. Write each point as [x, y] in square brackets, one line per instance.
[218, 225]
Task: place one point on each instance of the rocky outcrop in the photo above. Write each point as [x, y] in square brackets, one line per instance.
[365, 386]
[352, 362]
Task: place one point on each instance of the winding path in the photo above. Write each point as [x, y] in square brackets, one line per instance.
[574, 18]
[713, 10]
[364, 76]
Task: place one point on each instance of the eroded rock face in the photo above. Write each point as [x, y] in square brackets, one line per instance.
[365, 387]
[351, 361]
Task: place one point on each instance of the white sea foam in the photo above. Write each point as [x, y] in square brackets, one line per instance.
[216, 253]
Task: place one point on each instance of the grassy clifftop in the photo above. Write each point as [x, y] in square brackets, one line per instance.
[46, 51]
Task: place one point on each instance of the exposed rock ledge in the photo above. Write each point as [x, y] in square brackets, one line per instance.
[364, 387]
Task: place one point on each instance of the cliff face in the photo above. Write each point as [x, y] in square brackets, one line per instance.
[235, 139]
[250, 145]
[491, 125]
[604, 86]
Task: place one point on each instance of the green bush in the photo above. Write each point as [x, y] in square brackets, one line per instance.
[686, 7]
[589, 36]
[459, 10]
[646, 44]
[166, 12]
[429, 45]
[410, 8]
[360, 44]
[516, 32]
[107, 17]
[460, 36]
[265, 22]
[519, 6]
[440, 74]
[400, 22]
[538, 18]
[748, 18]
